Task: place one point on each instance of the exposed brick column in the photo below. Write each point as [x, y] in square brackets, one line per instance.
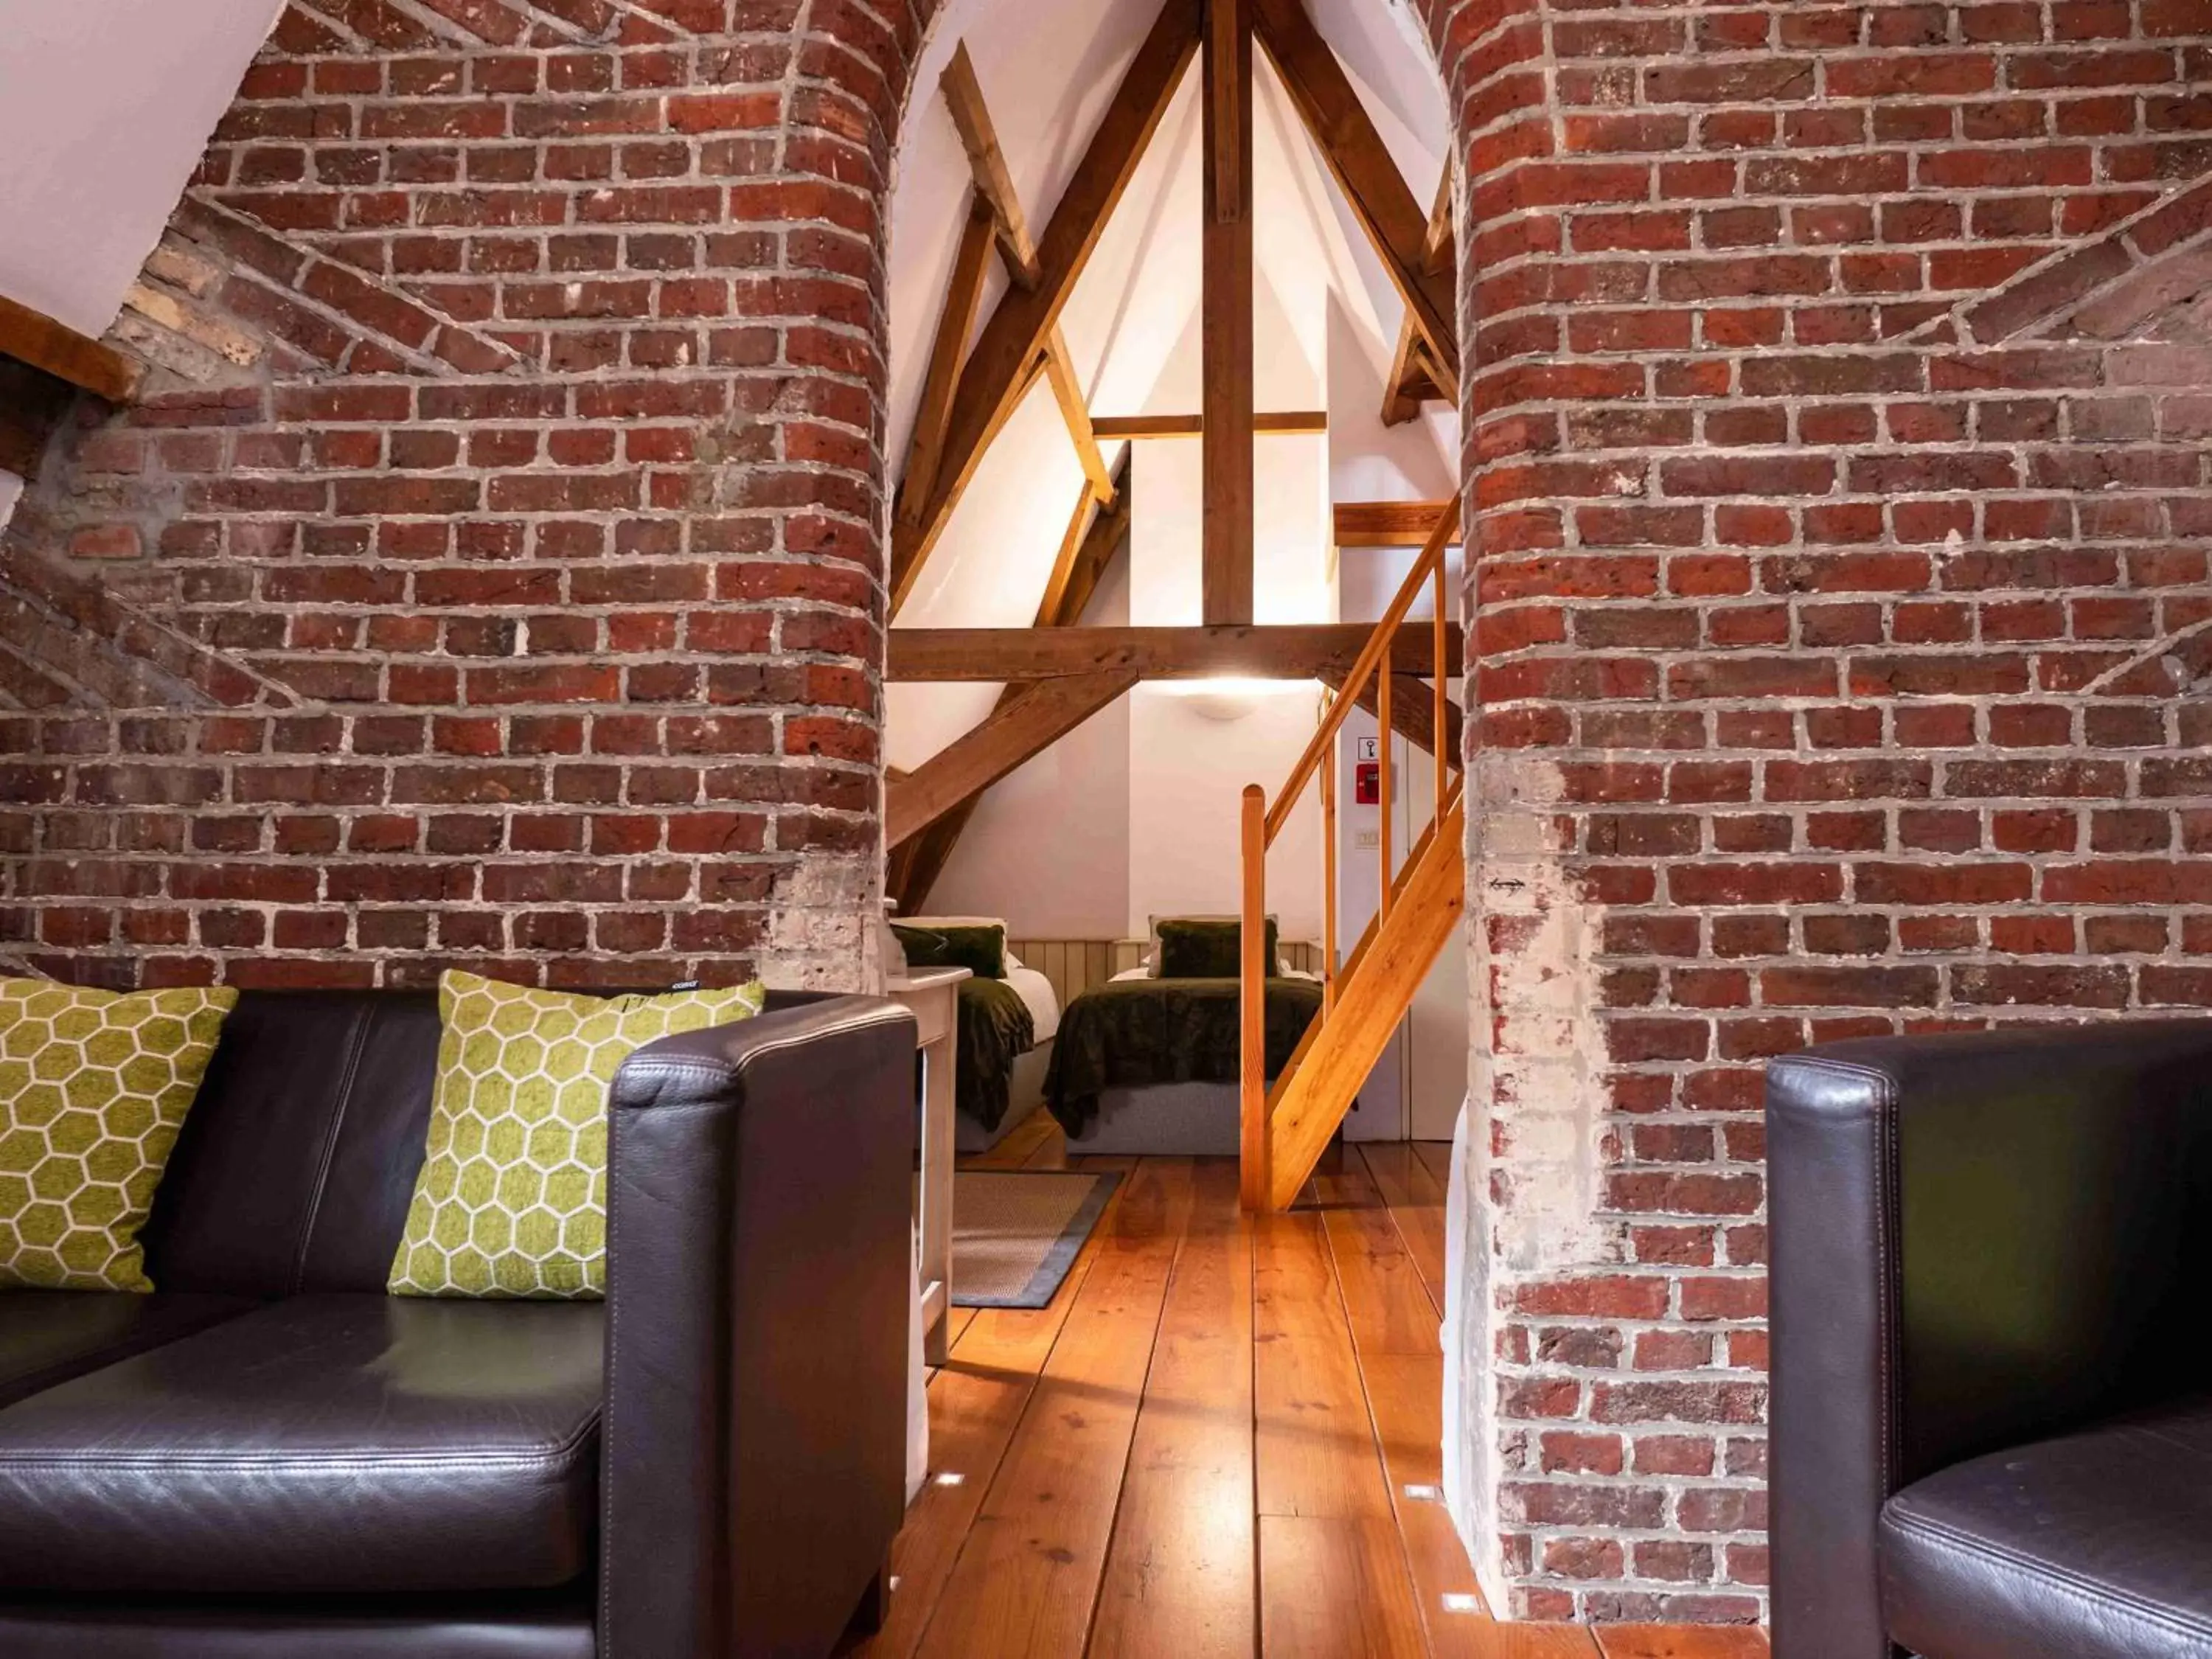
[494, 577]
[1836, 427]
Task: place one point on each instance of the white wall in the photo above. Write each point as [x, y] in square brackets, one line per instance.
[1049, 847]
[105, 108]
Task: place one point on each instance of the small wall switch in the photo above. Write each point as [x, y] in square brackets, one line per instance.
[1367, 840]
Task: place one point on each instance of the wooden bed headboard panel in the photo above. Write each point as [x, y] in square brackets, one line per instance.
[1074, 965]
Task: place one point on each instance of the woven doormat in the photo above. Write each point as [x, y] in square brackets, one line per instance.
[1015, 1233]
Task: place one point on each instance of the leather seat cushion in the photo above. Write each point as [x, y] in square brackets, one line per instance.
[327, 1444]
[49, 1336]
[2098, 1543]
[509, 1627]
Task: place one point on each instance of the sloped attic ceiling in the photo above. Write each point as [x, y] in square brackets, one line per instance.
[105, 108]
[1047, 73]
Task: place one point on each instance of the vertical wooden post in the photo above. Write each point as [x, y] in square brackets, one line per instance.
[1225, 317]
[1443, 690]
[1328, 881]
[1384, 676]
[1252, 1072]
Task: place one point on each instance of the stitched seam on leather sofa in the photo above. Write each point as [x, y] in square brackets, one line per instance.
[558, 1455]
[1936, 1533]
[274, 1462]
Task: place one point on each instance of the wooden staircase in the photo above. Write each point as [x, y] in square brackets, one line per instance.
[1286, 1127]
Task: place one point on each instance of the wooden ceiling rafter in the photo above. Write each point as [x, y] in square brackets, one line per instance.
[1021, 727]
[994, 185]
[32, 337]
[1024, 325]
[1415, 379]
[1377, 191]
[963, 299]
[1227, 277]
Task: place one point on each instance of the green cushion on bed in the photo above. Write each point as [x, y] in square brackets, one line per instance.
[980, 947]
[1192, 949]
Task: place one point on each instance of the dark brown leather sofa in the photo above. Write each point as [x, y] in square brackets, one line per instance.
[1992, 1410]
[271, 1459]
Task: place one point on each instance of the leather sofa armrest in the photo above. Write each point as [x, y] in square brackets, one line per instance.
[1977, 1240]
[760, 1198]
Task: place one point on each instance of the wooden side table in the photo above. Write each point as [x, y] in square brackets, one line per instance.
[932, 996]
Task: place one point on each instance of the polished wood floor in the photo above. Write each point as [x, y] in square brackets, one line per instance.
[1221, 1439]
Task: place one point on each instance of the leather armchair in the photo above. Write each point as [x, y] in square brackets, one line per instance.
[1990, 1255]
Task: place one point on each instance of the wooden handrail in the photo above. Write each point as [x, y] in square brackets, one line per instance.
[1377, 647]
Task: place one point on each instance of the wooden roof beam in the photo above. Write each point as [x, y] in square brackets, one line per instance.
[30, 336]
[1291, 652]
[1348, 142]
[962, 299]
[1225, 319]
[1282, 423]
[1022, 323]
[1414, 380]
[994, 183]
[1387, 524]
[1020, 728]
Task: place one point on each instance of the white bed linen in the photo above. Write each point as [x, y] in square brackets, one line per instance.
[1035, 992]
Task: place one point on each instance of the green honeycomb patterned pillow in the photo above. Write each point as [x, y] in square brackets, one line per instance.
[93, 1088]
[512, 1201]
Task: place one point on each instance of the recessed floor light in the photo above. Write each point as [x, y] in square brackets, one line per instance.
[951, 1477]
[1461, 1601]
[1425, 1494]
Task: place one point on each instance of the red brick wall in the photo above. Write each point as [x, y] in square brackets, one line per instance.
[1844, 633]
[494, 575]
[495, 578]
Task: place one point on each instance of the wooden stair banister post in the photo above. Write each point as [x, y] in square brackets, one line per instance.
[1252, 1070]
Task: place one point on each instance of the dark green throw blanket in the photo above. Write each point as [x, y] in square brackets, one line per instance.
[996, 1030]
[1132, 1033]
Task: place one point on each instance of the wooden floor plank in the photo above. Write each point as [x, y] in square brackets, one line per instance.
[1028, 1575]
[1180, 1575]
[1334, 1588]
[1680, 1642]
[1436, 1158]
[1315, 1449]
[974, 1403]
[1385, 1296]
[1021, 1142]
[1491, 1641]
[1394, 1329]
[1416, 1198]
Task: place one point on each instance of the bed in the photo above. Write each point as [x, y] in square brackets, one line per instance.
[1006, 1024]
[1147, 1062]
